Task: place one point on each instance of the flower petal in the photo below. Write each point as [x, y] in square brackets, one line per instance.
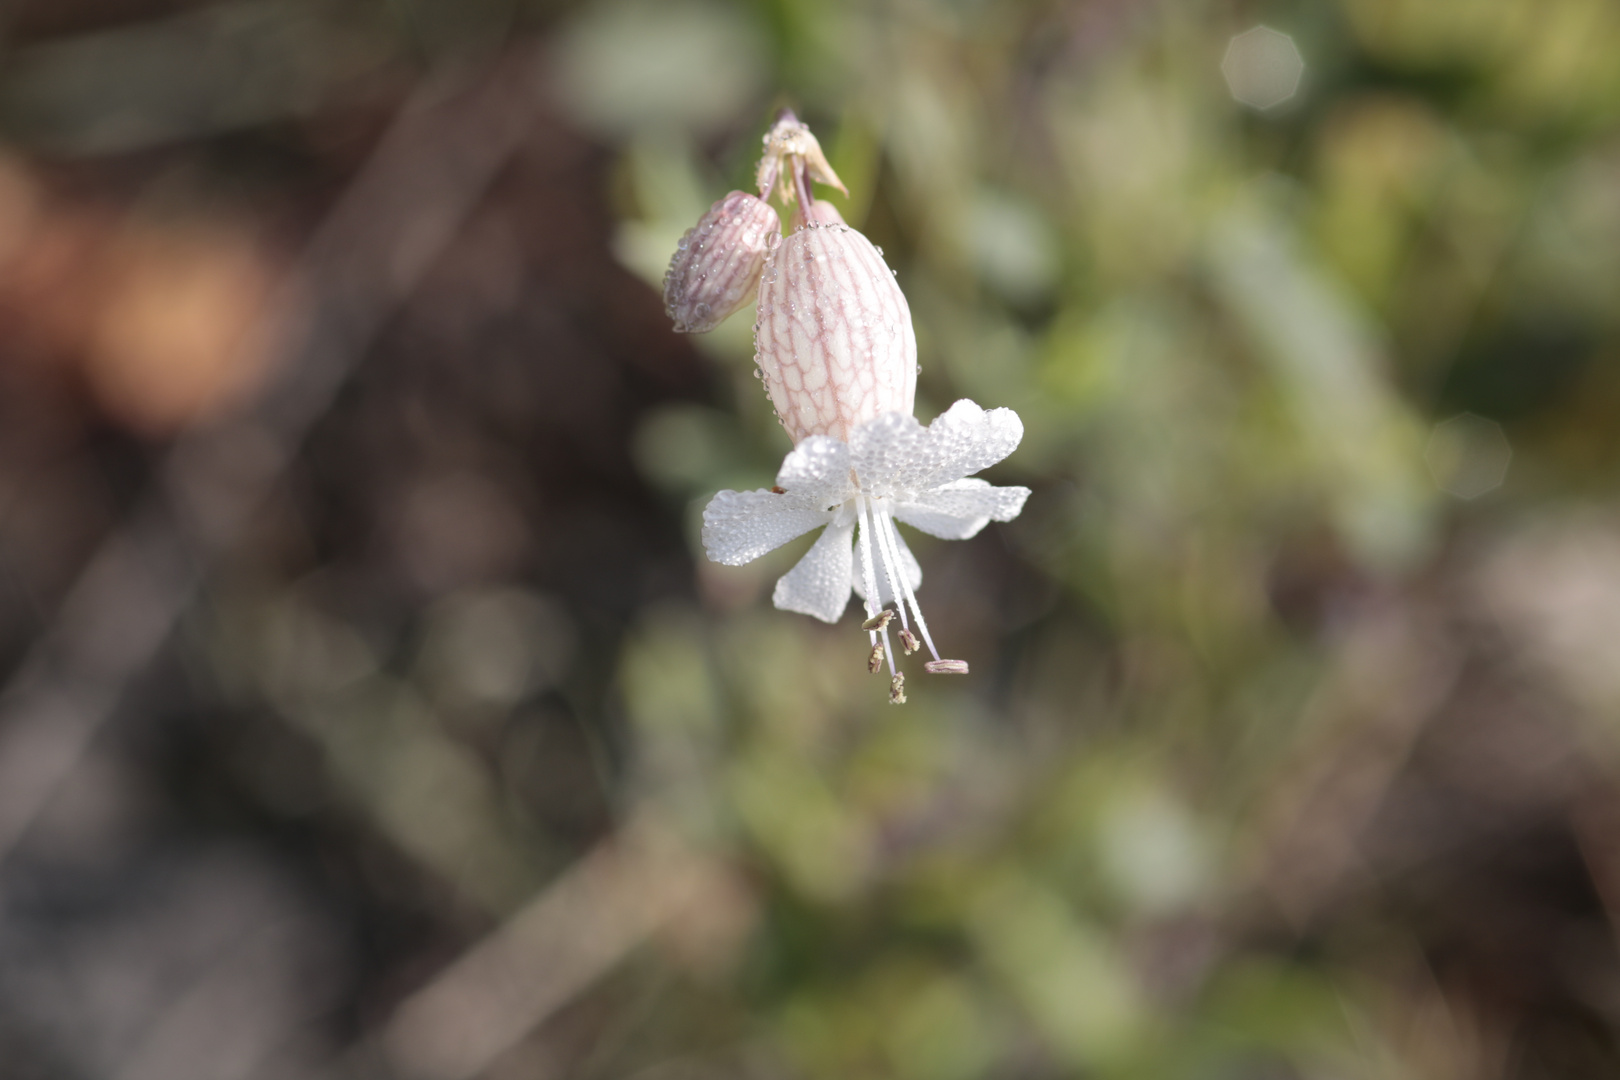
[959, 510]
[908, 566]
[971, 439]
[819, 583]
[890, 452]
[740, 526]
[817, 470]
[894, 455]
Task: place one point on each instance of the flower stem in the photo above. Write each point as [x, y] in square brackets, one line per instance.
[801, 184]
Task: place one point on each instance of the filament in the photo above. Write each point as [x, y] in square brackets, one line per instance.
[869, 577]
[891, 563]
[893, 541]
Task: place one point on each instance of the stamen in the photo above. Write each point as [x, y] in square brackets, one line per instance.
[891, 565]
[879, 621]
[869, 577]
[868, 574]
[905, 584]
[890, 562]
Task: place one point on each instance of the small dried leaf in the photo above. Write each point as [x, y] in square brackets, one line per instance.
[789, 137]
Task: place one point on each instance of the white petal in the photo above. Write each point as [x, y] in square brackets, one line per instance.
[958, 511]
[889, 449]
[817, 470]
[740, 526]
[819, 583]
[895, 455]
[908, 566]
[971, 439]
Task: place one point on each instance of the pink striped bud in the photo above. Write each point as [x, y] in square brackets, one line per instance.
[824, 213]
[718, 262]
[834, 341]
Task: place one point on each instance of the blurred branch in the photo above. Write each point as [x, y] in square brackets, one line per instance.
[425, 176]
[218, 68]
[1394, 668]
[558, 944]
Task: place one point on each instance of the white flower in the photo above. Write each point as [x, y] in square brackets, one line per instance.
[892, 468]
[836, 351]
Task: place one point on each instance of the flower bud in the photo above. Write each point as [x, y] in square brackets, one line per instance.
[834, 341]
[824, 213]
[718, 262]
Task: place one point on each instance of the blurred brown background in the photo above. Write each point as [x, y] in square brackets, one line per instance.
[370, 710]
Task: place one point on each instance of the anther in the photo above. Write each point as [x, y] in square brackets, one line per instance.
[908, 641]
[875, 661]
[879, 621]
[945, 667]
[897, 689]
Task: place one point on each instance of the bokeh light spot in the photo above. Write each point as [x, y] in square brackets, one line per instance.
[1262, 67]
[1468, 455]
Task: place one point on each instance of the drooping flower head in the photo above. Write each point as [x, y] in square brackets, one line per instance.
[836, 351]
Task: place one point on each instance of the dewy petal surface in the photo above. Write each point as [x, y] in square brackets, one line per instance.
[834, 340]
[890, 453]
[900, 456]
[740, 526]
[959, 510]
[819, 584]
[969, 439]
[817, 470]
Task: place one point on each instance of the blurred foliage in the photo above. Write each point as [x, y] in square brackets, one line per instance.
[1289, 745]
[1229, 334]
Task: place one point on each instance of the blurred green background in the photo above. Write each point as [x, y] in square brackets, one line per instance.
[1290, 748]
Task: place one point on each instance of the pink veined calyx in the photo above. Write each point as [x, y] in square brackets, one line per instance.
[838, 357]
